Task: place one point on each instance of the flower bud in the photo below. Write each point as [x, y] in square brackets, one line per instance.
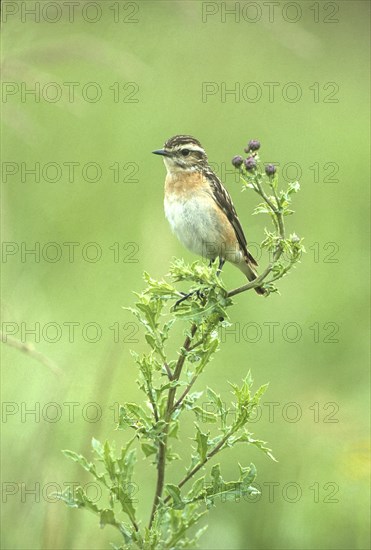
[250, 164]
[253, 145]
[270, 169]
[237, 161]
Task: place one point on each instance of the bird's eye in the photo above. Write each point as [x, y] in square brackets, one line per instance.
[185, 152]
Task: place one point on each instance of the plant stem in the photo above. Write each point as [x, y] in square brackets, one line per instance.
[168, 371]
[161, 461]
[185, 393]
[153, 403]
[194, 377]
[277, 213]
[198, 466]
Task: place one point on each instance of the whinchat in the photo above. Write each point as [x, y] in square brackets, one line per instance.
[199, 208]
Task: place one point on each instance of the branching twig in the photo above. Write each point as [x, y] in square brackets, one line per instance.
[185, 393]
[161, 463]
[277, 213]
[168, 371]
[198, 466]
[172, 514]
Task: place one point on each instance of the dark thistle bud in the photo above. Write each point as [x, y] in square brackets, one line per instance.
[253, 145]
[270, 170]
[250, 164]
[237, 161]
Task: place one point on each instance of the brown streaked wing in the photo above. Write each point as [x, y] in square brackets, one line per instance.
[224, 201]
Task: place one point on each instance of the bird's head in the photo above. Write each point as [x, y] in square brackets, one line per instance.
[183, 153]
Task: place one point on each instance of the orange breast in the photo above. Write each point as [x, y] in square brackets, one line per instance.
[187, 191]
[183, 183]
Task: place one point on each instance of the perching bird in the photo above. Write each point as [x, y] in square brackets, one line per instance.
[199, 208]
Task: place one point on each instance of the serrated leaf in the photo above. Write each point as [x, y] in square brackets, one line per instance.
[214, 398]
[81, 460]
[97, 446]
[174, 492]
[67, 497]
[107, 517]
[83, 501]
[133, 415]
[194, 462]
[202, 415]
[201, 440]
[173, 429]
[109, 461]
[151, 340]
[212, 348]
[127, 507]
[262, 446]
[197, 489]
[149, 449]
[192, 397]
[248, 473]
[262, 208]
[293, 187]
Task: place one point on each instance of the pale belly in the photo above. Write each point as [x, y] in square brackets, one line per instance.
[197, 226]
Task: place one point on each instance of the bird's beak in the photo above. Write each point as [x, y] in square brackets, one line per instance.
[161, 152]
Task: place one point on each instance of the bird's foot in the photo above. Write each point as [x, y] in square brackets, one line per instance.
[220, 266]
[200, 295]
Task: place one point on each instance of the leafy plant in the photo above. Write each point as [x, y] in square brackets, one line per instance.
[168, 388]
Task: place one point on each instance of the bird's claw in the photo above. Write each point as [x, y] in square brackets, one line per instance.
[200, 295]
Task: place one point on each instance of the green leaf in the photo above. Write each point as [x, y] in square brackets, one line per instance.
[151, 340]
[230, 490]
[194, 461]
[174, 492]
[83, 501]
[166, 329]
[109, 461]
[107, 517]
[197, 490]
[273, 182]
[173, 429]
[81, 460]
[248, 473]
[262, 446]
[201, 440]
[97, 446]
[126, 463]
[262, 208]
[246, 437]
[207, 354]
[67, 497]
[149, 449]
[123, 495]
[214, 398]
[124, 457]
[219, 405]
[170, 456]
[203, 415]
[133, 416]
[293, 187]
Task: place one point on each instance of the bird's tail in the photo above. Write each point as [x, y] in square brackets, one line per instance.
[251, 274]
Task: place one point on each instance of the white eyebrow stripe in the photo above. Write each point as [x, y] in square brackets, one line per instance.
[191, 147]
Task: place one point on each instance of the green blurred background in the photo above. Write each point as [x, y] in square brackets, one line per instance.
[168, 51]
